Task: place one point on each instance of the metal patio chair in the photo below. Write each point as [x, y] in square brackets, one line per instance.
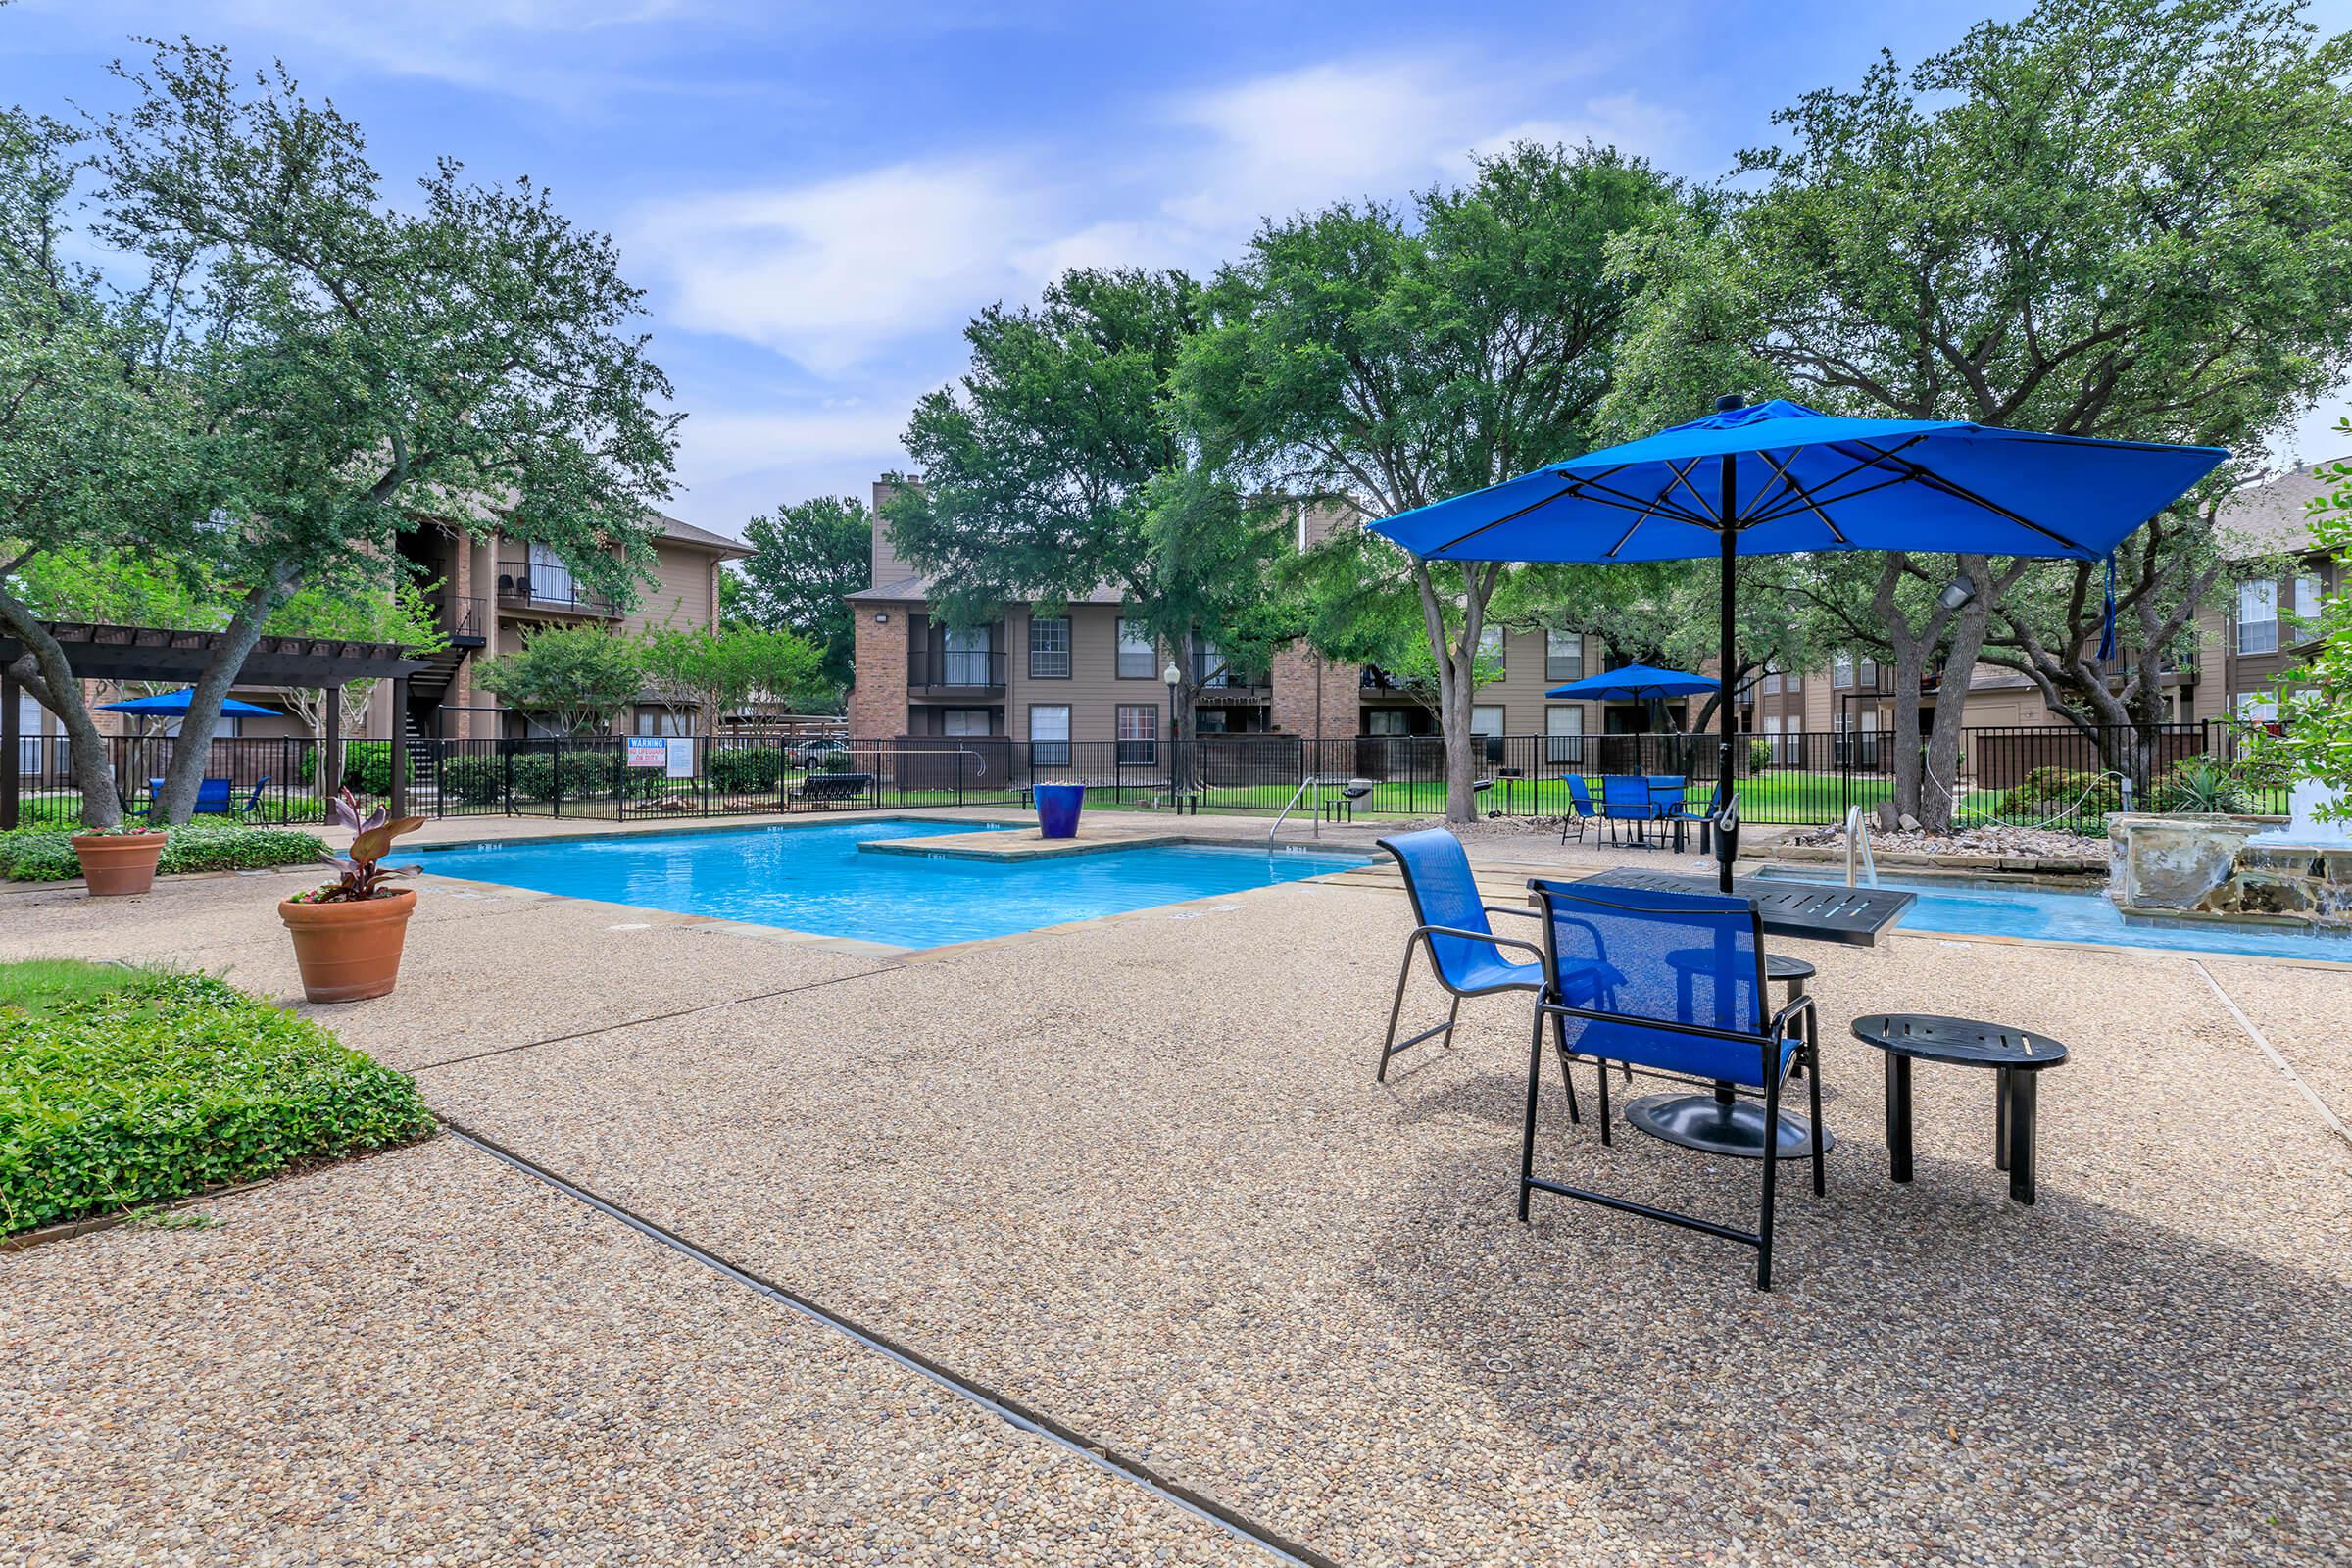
[1580, 810]
[1626, 799]
[1652, 1018]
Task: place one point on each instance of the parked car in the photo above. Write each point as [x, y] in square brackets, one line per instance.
[806, 754]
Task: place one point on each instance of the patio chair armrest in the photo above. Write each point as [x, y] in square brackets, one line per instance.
[1518, 909]
[1478, 936]
[1798, 1008]
[1663, 1025]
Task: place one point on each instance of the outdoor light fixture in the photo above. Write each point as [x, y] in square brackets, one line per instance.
[1959, 591]
[881, 618]
[1173, 676]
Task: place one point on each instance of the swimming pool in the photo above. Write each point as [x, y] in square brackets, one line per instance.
[2049, 915]
[816, 879]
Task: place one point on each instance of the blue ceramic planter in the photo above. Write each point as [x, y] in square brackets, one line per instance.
[1057, 810]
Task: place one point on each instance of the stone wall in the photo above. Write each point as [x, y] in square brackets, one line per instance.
[2196, 865]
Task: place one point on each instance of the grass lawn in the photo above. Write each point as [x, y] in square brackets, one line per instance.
[120, 1087]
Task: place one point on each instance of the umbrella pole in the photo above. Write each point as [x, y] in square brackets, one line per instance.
[1726, 850]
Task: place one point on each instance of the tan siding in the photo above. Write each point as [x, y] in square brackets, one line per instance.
[680, 594]
[1093, 691]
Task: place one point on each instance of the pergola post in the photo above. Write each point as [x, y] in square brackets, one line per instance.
[399, 745]
[10, 769]
[331, 744]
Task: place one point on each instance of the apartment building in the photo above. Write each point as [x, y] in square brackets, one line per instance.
[2244, 642]
[495, 592]
[1088, 671]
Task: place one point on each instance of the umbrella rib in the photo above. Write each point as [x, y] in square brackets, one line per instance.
[1936, 481]
[1781, 471]
[1622, 502]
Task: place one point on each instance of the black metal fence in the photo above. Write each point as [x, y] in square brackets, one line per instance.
[2026, 776]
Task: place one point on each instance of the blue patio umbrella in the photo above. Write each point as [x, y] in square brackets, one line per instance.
[1810, 481]
[171, 705]
[1635, 683]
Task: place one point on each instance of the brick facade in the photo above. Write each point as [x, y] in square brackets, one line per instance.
[1301, 679]
[878, 700]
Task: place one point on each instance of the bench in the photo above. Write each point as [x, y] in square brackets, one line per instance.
[835, 787]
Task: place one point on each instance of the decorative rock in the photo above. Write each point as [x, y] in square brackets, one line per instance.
[1907, 822]
[2222, 866]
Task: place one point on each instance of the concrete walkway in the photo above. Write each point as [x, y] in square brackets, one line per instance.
[1136, 1175]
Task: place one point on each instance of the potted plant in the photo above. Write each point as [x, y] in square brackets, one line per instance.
[1058, 808]
[119, 860]
[348, 934]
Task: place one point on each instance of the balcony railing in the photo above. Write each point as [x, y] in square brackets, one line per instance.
[542, 586]
[964, 669]
[1213, 672]
[462, 616]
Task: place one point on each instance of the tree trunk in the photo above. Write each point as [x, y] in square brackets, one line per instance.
[1184, 769]
[1938, 793]
[194, 747]
[1457, 660]
[43, 671]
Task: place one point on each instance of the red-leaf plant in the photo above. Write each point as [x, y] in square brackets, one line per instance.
[363, 876]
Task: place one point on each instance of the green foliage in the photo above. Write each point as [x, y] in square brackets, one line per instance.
[473, 780]
[2315, 702]
[581, 774]
[803, 561]
[579, 678]
[720, 670]
[2200, 784]
[1761, 753]
[46, 854]
[173, 1083]
[753, 769]
[2048, 790]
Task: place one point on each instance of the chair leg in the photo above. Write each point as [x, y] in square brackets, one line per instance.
[1601, 1071]
[1812, 1060]
[1772, 1122]
[1559, 1038]
[1527, 1133]
[1453, 1015]
[1388, 1047]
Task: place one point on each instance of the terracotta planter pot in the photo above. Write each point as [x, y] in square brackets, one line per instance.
[347, 952]
[116, 863]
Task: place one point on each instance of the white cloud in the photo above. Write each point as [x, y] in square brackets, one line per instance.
[718, 447]
[830, 273]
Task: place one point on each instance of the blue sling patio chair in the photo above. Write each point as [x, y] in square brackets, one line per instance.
[1664, 1021]
[1469, 959]
[1626, 799]
[1580, 808]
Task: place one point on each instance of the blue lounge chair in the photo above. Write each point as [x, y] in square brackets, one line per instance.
[1580, 808]
[1665, 1021]
[1625, 799]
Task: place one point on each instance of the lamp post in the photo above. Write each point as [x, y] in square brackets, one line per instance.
[1174, 676]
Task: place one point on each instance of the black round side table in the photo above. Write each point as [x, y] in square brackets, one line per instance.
[2018, 1056]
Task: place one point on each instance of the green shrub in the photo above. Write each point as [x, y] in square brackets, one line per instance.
[473, 780]
[2200, 784]
[1760, 753]
[2046, 791]
[172, 1084]
[744, 769]
[46, 854]
[367, 766]
[583, 775]
[835, 761]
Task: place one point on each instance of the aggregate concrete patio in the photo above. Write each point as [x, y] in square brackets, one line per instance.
[1135, 1174]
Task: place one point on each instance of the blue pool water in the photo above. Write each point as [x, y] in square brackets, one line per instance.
[2049, 915]
[816, 879]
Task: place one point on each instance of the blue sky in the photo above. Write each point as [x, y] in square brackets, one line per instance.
[817, 196]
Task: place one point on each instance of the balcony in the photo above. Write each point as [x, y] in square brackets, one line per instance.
[1224, 682]
[539, 585]
[954, 673]
[461, 619]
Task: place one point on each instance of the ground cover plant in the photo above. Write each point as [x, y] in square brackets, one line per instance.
[46, 854]
[126, 1087]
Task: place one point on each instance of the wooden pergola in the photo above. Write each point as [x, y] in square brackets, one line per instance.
[95, 652]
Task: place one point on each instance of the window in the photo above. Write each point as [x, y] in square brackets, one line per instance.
[551, 578]
[2257, 617]
[1135, 651]
[2307, 604]
[1870, 673]
[963, 721]
[1049, 736]
[1797, 681]
[1209, 664]
[1772, 680]
[1841, 670]
[1486, 721]
[2258, 708]
[1139, 734]
[965, 659]
[1489, 646]
[1385, 721]
[1050, 648]
[663, 722]
[1564, 728]
[1563, 655]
